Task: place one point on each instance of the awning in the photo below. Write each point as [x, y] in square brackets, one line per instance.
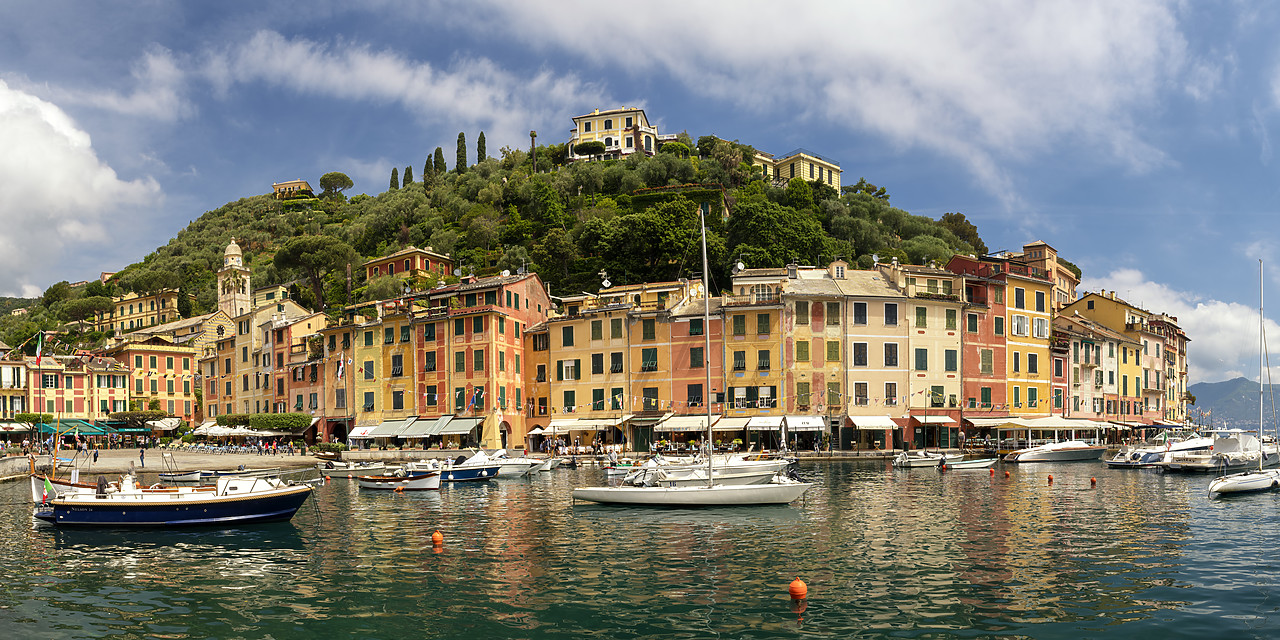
[391, 428]
[934, 419]
[765, 423]
[730, 424]
[165, 424]
[806, 423]
[536, 431]
[873, 422]
[359, 433]
[80, 427]
[686, 423]
[459, 426]
[561, 425]
[1057, 422]
[986, 423]
[14, 427]
[422, 427]
[593, 424]
[648, 421]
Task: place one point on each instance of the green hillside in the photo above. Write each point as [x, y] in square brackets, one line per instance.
[1234, 403]
[636, 218]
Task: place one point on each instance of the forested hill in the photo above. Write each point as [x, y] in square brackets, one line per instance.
[635, 218]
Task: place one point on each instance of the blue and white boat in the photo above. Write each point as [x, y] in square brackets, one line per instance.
[471, 470]
[233, 501]
[1154, 455]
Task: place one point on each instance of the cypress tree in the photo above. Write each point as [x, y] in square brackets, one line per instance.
[439, 159]
[395, 179]
[426, 168]
[408, 175]
[480, 150]
[460, 165]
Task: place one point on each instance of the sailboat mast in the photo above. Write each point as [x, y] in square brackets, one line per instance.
[706, 338]
[1262, 347]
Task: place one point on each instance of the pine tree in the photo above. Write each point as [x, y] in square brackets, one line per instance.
[395, 179]
[460, 165]
[439, 159]
[408, 175]
[480, 150]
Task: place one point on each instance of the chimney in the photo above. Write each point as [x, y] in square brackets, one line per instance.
[791, 271]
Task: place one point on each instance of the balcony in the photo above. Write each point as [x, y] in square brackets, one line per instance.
[750, 299]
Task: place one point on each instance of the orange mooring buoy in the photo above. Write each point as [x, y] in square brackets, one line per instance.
[993, 472]
[328, 479]
[399, 489]
[1051, 478]
[798, 589]
[1006, 474]
[1093, 482]
[437, 538]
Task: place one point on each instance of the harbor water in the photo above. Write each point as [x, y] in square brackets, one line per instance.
[886, 553]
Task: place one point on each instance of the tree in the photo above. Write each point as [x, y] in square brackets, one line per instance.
[964, 230]
[139, 419]
[56, 293]
[439, 161]
[863, 186]
[150, 282]
[460, 165]
[315, 257]
[97, 288]
[334, 183]
[778, 234]
[426, 169]
[592, 148]
[82, 309]
[677, 148]
[481, 153]
[408, 176]
[395, 179]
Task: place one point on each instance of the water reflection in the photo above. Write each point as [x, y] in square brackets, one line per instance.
[885, 553]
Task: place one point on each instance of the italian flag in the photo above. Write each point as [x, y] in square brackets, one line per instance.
[39, 348]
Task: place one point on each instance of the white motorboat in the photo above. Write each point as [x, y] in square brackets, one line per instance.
[233, 501]
[510, 467]
[1232, 450]
[401, 482]
[691, 476]
[1156, 454]
[1069, 451]
[922, 458]
[334, 469]
[782, 491]
[960, 465]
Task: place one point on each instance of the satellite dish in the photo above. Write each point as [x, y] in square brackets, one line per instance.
[606, 283]
[740, 266]
[875, 257]
[457, 271]
[506, 272]
[521, 271]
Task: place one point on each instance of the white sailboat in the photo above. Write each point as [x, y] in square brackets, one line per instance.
[1262, 479]
[780, 490]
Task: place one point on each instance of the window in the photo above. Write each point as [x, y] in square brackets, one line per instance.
[649, 359]
[695, 327]
[739, 360]
[833, 351]
[597, 330]
[986, 396]
[802, 350]
[740, 325]
[936, 395]
[477, 324]
[568, 370]
[998, 325]
[541, 375]
[650, 396]
[648, 329]
[922, 317]
[1017, 362]
[951, 319]
[891, 393]
[986, 359]
[597, 399]
[859, 313]
[566, 336]
[615, 398]
[694, 395]
[890, 354]
[762, 324]
[1033, 363]
[1019, 298]
[459, 361]
[368, 338]
[1057, 398]
[1040, 301]
[1019, 326]
[1040, 328]
[615, 328]
[762, 360]
[368, 401]
[406, 333]
[459, 327]
[802, 312]
[891, 314]
[950, 360]
[833, 314]
[1032, 394]
[615, 362]
[477, 357]
[860, 397]
[833, 394]
[597, 363]
[859, 353]
[397, 400]
[430, 395]
[429, 361]
[397, 365]
[368, 369]
[922, 359]
[695, 358]
[971, 322]
[802, 394]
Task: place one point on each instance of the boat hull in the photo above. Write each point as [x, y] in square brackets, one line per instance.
[351, 471]
[469, 474]
[89, 510]
[971, 464]
[183, 476]
[1074, 454]
[702, 496]
[909, 461]
[1247, 482]
[425, 482]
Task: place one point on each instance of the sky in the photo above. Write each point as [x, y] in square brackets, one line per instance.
[1134, 137]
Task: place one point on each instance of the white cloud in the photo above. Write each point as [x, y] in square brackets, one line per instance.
[989, 84]
[470, 91]
[57, 194]
[1224, 335]
[159, 84]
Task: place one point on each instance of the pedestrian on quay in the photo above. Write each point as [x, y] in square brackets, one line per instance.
[95, 456]
[142, 457]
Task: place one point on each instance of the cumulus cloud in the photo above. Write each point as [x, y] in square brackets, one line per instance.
[469, 91]
[159, 84]
[57, 196]
[1224, 335]
[988, 84]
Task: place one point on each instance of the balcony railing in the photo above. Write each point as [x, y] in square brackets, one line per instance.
[750, 299]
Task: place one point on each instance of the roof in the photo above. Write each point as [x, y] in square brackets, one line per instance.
[695, 307]
[812, 287]
[170, 327]
[408, 251]
[867, 283]
[609, 112]
[802, 151]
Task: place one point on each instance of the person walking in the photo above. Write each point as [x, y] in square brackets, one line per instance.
[142, 457]
[95, 456]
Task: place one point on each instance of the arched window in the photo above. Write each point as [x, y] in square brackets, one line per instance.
[608, 142]
[608, 124]
[648, 143]
[761, 292]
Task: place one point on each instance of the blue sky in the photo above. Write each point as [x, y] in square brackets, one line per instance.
[1135, 137]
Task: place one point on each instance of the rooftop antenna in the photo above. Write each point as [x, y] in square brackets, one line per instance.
[604, 282]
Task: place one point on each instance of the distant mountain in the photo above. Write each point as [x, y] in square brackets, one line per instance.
[1234, 403]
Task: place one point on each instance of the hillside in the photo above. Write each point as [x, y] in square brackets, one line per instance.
[635, 218]
[1234, 403]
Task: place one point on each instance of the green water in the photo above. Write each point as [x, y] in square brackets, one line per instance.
[886, 553]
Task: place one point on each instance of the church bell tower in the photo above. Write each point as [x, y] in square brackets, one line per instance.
[233, 282]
